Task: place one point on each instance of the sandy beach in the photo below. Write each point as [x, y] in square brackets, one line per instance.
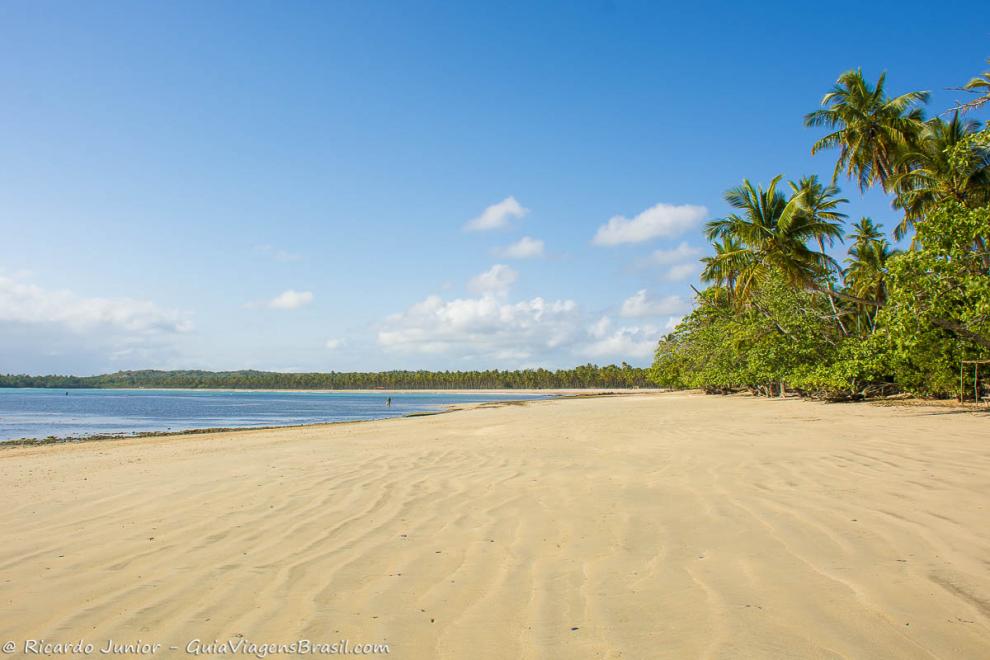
[641, 526]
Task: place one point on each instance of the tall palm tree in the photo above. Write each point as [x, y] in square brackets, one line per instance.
[821, 204]
[866, 270]
[867, 127]
[772, 233]
[931, 175]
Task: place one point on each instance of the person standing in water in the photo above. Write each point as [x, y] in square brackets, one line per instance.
[388, 402]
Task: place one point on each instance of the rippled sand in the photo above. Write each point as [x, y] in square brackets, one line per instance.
[650, 526]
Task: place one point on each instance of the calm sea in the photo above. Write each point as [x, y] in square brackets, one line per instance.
[40, 413]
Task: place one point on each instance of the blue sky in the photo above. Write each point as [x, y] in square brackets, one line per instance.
[291, 185]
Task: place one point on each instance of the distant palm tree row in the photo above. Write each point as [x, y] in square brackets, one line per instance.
[586, 376]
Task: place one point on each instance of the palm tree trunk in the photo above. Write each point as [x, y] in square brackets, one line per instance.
[843, 296]
[831, 301]
[962, 331]
[831, 298]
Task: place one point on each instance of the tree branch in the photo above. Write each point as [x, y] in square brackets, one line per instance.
[962, 331]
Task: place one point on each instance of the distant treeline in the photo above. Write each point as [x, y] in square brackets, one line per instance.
[580, 377]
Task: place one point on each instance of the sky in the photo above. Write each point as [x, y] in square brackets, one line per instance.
[314, 186]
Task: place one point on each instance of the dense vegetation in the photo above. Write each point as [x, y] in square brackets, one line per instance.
[780, 313]
[585, 376]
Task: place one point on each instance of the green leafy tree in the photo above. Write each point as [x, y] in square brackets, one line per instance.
[938, 305]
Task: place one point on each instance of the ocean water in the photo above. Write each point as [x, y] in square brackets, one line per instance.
[41, 413]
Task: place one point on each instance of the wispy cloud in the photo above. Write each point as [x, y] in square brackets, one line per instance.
[682, 272]
[288, 299]
[497, 215]
[334, 344]
[626, 342]
[526, 247]
[45, 329]
[495, 281]
[677, 255]
[662, 220]
[600, 328]
[21, 302]
[640, 304]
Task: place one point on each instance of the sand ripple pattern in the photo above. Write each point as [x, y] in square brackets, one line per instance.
[648, 526]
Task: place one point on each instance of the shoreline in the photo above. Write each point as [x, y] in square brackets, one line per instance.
[946, 405]
[451, 407]
[507, 392]
[448, 408]
[137, 435]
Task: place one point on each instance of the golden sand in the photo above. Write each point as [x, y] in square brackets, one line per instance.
[645, 526]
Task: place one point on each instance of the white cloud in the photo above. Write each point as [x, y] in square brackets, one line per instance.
[44, 330]
[677, 255]
[31, 304]
[497, 215]
[526, 247]
[640, 304]
[627, 342]
[600, 327]
[483, 328]
[660, 220]
[334, 344]
[682, 272]
[496, 280]
[290, 299]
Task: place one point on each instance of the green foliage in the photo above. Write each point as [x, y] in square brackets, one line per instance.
[938, 306]
[858, 367]
[769, 235]
[780, 314]
[946, 162]
[719, 347]
[867, 127]
[979, 85]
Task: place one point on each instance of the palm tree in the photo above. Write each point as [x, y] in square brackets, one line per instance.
[722, 270]
[772, 234]
[866, 271]
[821, 206]
[869, 128]
[770, 238]
[821, 200]
[931, 175]
[864, 232]
[978, 85]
